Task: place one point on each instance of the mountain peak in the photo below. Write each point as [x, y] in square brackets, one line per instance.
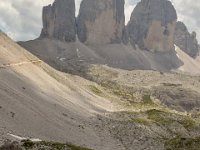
[152, 25]
[101, 21]
[59, 21]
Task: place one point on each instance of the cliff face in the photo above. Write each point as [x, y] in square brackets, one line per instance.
[101, 21]
[152, 25]
[59, 21]
[103, 38]
[186, 41]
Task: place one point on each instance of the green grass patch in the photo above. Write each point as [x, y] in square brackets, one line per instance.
[29, 145]
[142, 121]
[188, 123]
[167, 118]
[118, 90]
[73, 147]
[110, 85]
[95, 90]
[124, 94]
[180, 143]
[159, 117]
[146, 99]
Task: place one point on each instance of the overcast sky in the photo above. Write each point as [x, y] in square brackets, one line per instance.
[21, 19]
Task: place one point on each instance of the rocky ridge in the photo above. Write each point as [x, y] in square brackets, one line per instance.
[99, 36]
[152, 26]
[186, 41]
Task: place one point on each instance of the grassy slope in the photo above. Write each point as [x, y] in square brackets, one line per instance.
[146, 109]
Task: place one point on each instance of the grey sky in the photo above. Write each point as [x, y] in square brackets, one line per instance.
[21, 19]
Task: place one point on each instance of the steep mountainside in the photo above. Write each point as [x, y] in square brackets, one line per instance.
[102, 37]
[72, 57]
[110, 105]
[116, 109]
[40, 102]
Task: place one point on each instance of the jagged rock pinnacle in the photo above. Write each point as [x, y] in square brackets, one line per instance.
[59, 21]
[186, 41]
[152, 25]
[101, 21]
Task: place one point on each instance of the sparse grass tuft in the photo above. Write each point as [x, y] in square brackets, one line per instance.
[159, 117]
[147, 100]
[124, 95]
[95, 90]
[188, 123]
[29, 145]
[73, 147]
[166, 118]
[180, 143]
[142, 121]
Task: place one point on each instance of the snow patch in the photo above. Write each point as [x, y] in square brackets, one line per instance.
[23, 138]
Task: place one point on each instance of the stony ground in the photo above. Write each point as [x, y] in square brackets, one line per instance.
[154, 107]
[107, 109]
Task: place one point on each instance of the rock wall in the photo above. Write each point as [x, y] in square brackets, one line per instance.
[152, 25]
[186, 41]
[59, 21]
[101, 21]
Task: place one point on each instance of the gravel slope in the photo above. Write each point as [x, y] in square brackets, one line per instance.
[116, 109]
[40, 102]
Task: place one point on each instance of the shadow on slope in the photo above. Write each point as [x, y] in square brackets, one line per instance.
[75, 57]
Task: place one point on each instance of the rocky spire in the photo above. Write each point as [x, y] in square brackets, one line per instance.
[101, 21]
[152, 25]
[186, 41]
[59, 21]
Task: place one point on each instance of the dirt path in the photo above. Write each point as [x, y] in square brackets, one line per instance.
[20, 63]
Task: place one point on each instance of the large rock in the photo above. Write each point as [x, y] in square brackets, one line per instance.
[101, 21]
[152, 25]
[186, 41]
[59, 21]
